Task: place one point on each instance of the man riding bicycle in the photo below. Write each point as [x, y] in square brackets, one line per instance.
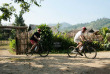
[34, 39]
[79, 38]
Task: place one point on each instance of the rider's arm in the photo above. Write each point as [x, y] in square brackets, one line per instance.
[82, 38]
[36, 37]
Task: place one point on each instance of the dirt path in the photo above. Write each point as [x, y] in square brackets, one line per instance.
[54, 64]
[4, 52]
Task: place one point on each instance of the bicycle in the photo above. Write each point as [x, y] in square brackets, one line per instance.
[42, 51]
[88, 50]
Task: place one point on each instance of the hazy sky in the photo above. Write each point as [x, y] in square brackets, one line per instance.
[70, 11]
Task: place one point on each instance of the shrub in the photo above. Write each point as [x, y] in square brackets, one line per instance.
[12, 44]
[98, 45]
[106, 46]
[46, 36]
[65, 42]
[103, 31]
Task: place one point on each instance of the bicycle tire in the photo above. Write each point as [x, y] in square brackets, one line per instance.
[71, 48]
[43, 52]
[90, 53]
[29, 54]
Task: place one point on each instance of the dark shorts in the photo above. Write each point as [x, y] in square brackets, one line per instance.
[32, 42]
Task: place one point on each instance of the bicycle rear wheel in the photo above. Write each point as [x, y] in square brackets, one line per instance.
[70, 49]
[43, 52]
[90, 53]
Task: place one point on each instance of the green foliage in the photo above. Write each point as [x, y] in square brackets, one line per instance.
[25, 5]
[12, 44]
[7, 11]
[57, 27]
[103, 31]
[13, 34]
[46, 35]
[106, 46]
[19, 21]
[65, 42]
[98, 45]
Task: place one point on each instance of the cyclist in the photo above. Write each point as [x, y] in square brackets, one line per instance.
[79, 37]
[34, 39]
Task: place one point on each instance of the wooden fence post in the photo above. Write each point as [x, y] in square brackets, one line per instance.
[16, 45]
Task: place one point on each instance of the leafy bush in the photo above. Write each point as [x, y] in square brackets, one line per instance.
[98, 45]
[103, 31]
[106, 46]
[46, 36]
[12, 44]
[65, 42]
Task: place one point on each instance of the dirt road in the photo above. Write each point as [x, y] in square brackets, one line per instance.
[54, 64]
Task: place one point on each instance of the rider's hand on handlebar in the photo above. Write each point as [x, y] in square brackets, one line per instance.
[38, 39]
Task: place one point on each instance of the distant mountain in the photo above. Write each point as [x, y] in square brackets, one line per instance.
[96, 25]
[62, 25]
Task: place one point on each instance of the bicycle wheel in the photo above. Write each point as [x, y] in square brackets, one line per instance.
[90, 53]
[71, 48]
[29, 54]
[43, 52]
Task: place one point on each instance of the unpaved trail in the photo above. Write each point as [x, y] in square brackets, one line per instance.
[4, 52]
[54, 64]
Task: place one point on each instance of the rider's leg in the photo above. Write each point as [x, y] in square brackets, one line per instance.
[79, 45]
[33, 46]
[34, 43]
[37, 48]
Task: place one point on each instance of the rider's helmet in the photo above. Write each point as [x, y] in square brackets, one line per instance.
[39, 29]
[84, 28]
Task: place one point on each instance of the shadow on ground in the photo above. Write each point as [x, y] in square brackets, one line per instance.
[51, 65]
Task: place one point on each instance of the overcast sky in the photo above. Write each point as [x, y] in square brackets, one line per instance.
[70, 11]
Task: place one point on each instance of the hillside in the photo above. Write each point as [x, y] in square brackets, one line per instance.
[62, 25]
[96, 25]
[99, 23]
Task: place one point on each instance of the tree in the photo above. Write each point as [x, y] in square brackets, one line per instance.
[25, 5]
[19, 21]
[7, 11]
[57, 27]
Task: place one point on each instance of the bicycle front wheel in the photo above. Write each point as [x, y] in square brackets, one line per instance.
[70, 54]
[90, 53]
[43, 52]
[29, 53]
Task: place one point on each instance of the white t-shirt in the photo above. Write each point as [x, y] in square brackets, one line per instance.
[77, 36]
